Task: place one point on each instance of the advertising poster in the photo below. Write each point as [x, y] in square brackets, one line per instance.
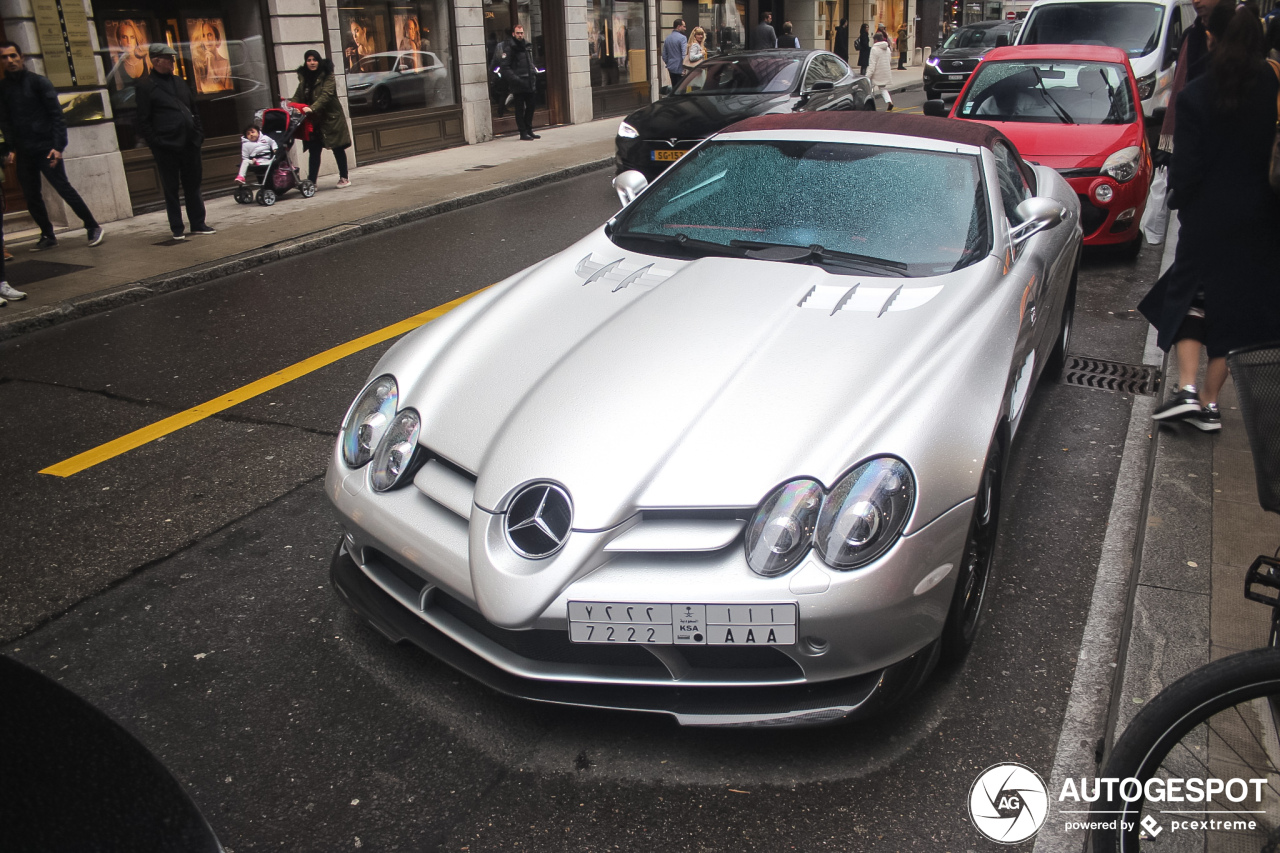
[127, 42]
[210, 67]
[364, 33]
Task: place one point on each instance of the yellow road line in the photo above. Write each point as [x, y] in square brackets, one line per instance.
[173, 423]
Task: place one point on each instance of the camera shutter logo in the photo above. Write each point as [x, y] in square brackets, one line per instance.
[1008, 803]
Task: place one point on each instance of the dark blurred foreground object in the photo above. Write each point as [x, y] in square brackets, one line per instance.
[74, 780]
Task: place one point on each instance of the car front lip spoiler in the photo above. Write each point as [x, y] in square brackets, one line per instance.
[772, 705]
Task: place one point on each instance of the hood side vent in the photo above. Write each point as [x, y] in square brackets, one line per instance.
[620, 273]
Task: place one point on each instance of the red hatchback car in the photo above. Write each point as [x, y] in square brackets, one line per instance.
[1074, 108]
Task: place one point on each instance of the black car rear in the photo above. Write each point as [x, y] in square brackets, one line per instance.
[949, 68]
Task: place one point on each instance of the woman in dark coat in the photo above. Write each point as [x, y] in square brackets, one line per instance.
[317, 89]
[1229, 218]
[863, 45]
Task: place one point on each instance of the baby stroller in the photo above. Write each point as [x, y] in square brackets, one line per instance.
[266, 183]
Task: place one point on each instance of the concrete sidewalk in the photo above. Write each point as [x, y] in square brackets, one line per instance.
[139, 259]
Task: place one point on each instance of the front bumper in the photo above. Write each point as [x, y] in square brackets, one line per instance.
[940, 82]
[1114, 221]
[637, 154]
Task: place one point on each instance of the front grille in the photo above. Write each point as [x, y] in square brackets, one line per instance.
[1091, 216]
[1111, 376]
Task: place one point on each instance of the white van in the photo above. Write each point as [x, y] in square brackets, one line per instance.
[1149, 31]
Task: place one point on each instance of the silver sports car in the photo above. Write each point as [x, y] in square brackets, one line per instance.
[737, 455]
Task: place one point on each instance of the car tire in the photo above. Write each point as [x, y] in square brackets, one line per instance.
[931, 95]
[964, 617]
[1057, 360]
[381, 100]
[870, 105]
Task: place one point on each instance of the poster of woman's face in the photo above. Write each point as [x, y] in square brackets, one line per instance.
[361, 37]
[127, 43]
[211, 67]
[409, 35]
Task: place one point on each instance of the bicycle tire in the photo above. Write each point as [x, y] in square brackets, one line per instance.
[1211, 693]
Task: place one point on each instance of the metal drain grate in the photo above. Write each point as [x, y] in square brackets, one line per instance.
[1111, 376]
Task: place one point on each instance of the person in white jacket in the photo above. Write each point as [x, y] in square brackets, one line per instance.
[880, 69]
[256, 149]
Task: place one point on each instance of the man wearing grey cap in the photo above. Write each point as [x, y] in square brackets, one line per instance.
[168, 120]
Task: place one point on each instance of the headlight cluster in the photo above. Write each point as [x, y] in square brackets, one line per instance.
[626, 131]
[851, 525]
[374, 431]
[933, 60]
[1147, 85]
[1123, 164]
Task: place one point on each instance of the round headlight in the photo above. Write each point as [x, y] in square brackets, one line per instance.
[394, 456]
[1104, 193]
[865, 512]
[367, 420]
[626, 131]
[781, 531]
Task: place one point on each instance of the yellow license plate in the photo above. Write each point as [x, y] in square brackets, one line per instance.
[668, 156]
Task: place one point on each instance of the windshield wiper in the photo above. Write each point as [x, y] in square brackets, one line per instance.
[789, 254]
[1063, 115]
[1113, 114]
[682, 241]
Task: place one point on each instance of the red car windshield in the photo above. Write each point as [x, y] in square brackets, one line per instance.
[1066, 92]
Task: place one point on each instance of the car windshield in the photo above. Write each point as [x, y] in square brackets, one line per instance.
[741, 75]
[1052, 91]
[1132, 27]
[853, 208]
[973, 37]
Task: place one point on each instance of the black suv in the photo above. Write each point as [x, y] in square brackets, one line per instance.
[949, 68]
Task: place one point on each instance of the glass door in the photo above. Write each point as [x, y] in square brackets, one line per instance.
[499, 18]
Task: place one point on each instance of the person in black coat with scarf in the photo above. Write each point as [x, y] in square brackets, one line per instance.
[1228, 254]
[516, 68]
[862, 44]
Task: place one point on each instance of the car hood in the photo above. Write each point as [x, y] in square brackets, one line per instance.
[699, 116]
[963, 53]
[1068, 146]
[644, 382]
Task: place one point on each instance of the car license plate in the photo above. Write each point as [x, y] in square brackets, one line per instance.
[668, 156]
[682, 624]
[955, 76]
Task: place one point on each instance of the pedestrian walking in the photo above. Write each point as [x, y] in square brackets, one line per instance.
[318, 90]
[842, 39]
[1221, 289]
[35, 135]
[862, 44]
[7, 294]
[696, 51]
[167, 119]
[880, 69]
[787, 39]
[902, 47]
[515, 64]
[673, 49]
[764, 36]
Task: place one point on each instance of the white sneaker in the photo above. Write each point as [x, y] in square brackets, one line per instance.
[10, 293]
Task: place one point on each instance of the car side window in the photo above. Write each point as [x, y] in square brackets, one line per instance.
[836, 69]
[816, 73]
[1013, 184]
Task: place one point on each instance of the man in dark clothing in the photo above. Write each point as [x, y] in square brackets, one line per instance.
[35, 135]
[167, 119]
[842, 39]
[764, 35]
[516, 68]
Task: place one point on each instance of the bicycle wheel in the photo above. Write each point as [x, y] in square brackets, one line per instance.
[1218, 722]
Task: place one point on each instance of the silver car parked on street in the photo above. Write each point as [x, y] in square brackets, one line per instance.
[737, 455]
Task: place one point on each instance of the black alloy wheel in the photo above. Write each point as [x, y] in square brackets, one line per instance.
[381, 99]
[965, 615]
[1057, 360]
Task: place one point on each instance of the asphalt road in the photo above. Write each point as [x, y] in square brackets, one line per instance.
[183, 588]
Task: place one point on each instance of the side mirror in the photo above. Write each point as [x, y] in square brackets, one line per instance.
[1002, 39]
[1035, 215]
[937, 108]
[822, 86]
[628, 185]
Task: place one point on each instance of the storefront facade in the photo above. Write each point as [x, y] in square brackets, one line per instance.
[412, 75]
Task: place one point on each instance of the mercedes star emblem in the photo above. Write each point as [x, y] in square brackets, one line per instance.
[539, 520]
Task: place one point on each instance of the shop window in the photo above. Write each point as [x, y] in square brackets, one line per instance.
[397, 56]
[616, 42]
[221, 55]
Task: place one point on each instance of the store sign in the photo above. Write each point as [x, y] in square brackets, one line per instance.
[64, 40]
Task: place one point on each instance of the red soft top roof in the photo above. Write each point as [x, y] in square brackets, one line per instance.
[1090, 52]
[928, 127]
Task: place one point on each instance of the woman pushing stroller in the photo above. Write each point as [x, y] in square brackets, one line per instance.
[317, 89]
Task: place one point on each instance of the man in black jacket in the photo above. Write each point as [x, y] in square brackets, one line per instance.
[168, 120]
[35, 135]
[516, 68]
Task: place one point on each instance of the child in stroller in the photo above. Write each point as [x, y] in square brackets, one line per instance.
[270, 175]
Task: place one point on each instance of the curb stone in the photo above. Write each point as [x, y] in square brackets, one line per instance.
[137, 291]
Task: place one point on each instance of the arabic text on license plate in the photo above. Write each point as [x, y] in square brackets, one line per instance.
[668, 156]
[955, 76]
[664, 624]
